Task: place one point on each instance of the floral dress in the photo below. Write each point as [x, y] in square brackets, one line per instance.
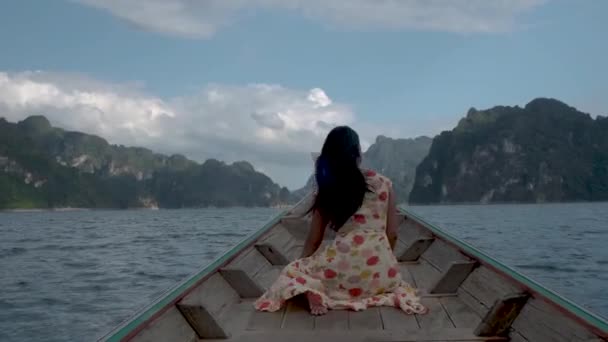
[357, 270]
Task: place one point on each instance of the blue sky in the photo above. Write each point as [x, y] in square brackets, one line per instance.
[171, 75]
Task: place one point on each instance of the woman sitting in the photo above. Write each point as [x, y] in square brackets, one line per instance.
[358, 269]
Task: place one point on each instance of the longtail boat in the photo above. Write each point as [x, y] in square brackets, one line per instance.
[471, 297]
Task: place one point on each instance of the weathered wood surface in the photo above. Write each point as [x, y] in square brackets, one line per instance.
[170, 326]
[361, 336]
[441, 255]
[540, 321]
[223, 295]
[396, 319]
[416, 249]
[409, 232]
[500, 317]
[487, 287]
[265, 321]
[451, 278]
[404, 269]
[267, 276]
[203, 311]
[424, 275]
[365, 320]
[240, 273]
[460, 314]
[297, 315]
[333, 320]
[437, 317]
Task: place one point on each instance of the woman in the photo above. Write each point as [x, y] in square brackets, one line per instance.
[358, 269]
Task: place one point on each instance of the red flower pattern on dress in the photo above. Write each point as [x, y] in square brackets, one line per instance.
[373, 260]
[264, 305]
[301, 280]
[330, 274]
[356, 292]
[383, 196]
[392, 272]
[358, 239]
[359, 218]
[376, 216]
[376, 275]
[370, 173]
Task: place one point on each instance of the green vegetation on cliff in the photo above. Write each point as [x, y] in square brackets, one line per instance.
[544, 152]
[46, 167]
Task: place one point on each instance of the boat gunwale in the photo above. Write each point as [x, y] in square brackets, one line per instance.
[144, 316]
[595, 323]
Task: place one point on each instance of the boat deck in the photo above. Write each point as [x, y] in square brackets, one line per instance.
[449, 319]
[469, 298]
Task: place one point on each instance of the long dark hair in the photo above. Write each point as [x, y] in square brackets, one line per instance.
[341, 185]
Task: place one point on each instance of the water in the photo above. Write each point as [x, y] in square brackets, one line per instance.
[72, 276]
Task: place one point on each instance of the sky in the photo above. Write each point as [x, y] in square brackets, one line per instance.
[265, 80]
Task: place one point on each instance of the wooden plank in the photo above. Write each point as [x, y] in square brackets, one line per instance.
[368, 319]
[275, 246]
[487, 286]
[206, 324]
[400, 248]
[272, 254]
[170, 326]
[223, 295]
[202, 311]
[499, 319]
[475, 304]
[437, 317]
[240, 273]
[409, 231]
[243, 283]
[333, 320]
[406, 275]
[424, 275]
[297, 315]
[514, 336]
[396, 319]
[265, 321]
[236, 317]
[267, 276]
[539, 321]
[460, 314]
[452, 277]
[250, 260]
[296, 226]
[441, 255]
[415, 249]
[356, 336]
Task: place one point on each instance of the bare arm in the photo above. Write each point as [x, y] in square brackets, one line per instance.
[315, 235]
[391, 220]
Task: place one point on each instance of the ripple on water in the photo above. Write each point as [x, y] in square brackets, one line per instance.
[12, 252]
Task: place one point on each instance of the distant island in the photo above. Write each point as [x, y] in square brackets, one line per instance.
[46, 167]
[544, 152]
[395, 158]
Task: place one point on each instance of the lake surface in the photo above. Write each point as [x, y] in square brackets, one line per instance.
[75, 275]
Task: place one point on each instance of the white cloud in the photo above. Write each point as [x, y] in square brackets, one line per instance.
[203, 18]
[271, 126]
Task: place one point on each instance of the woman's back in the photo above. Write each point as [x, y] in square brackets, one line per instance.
[372, 215]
